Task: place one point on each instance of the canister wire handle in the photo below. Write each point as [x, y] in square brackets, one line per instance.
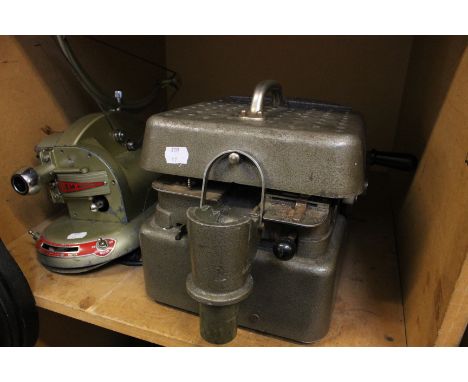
[258, 99]
[248, 156]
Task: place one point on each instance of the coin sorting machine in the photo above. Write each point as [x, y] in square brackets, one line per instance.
[247, 229]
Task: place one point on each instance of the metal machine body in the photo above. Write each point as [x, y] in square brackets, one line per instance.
[92, 167]
[247, 229]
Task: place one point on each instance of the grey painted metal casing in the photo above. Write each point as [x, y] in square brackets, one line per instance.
[291, 299]
[304, 147]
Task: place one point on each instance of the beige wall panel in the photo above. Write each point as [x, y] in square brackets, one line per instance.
[433, 221]
[364, 72]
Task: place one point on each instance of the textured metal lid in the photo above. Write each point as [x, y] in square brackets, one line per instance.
[302, 146]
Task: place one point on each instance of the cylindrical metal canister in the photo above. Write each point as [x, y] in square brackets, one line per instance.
[222, 247]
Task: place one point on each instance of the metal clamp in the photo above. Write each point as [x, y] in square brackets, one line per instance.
[248, 156]
[263, 88]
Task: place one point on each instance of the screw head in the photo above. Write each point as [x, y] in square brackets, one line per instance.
[120, 136]
[234, 158]
[131, 145]
[101, 243]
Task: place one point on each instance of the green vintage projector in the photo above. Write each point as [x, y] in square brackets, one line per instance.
[92, 167]
[247, 229]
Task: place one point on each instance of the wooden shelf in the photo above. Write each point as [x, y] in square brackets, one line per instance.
[368, 309]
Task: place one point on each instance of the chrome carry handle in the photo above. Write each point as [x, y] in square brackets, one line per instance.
[234, 159]
[263, 88]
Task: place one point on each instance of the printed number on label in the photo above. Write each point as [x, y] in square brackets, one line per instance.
[176, 155]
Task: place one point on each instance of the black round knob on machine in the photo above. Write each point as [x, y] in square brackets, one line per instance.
[285, 249]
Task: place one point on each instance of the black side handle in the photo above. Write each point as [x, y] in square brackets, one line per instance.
[399, 161]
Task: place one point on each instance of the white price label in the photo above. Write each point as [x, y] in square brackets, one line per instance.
[176, 155]
[77, 235]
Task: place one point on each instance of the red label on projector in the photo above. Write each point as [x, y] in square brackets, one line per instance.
[67, 187]
[101, 248]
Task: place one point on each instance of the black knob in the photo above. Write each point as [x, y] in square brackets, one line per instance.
[285, 249]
